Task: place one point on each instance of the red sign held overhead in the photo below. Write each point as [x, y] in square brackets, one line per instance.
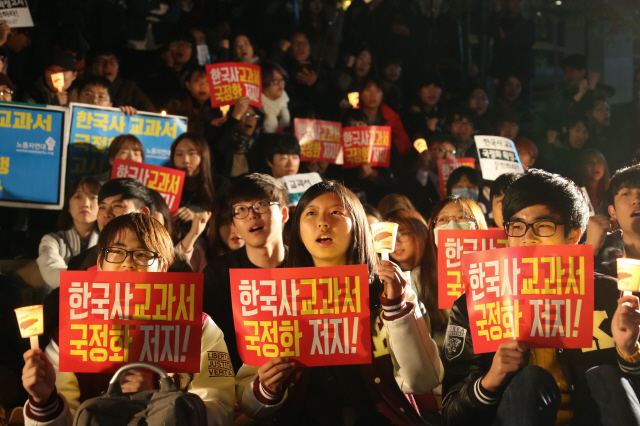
[445, 167]
[319, 140]
[540, 295]
[229, 81]
[317, 316]
[109, 319]
[366, 144]
[452, 244]
[167, 181]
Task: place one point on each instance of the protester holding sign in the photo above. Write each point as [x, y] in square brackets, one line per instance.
[258, 206]
[123, 147]
[77, 231]
[517, 385]
[129, 243]
[96, 90]
[234, 146]
[330, 229]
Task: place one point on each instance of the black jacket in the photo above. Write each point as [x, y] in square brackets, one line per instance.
[467, 402]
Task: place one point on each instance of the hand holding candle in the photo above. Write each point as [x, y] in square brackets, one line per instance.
[31, 323]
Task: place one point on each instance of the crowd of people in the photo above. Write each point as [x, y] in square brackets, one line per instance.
[404, 61]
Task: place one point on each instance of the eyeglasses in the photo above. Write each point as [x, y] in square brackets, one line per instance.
[119, 255]
[442, 221]
[542, 228]
[5, 91]
[277, 81]
[261, 207]
[448, 151]
[249, 115]
[404, 237]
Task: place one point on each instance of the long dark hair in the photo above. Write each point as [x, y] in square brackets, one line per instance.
[203, 180]
[360, 251]
[603, 183]
[425, 258]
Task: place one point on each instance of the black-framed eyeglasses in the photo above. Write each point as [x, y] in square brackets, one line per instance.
[404, 237]
[443, 220]
[119, 255]
[6, 91]
[542, 228]
[452, 151]
[261, 207]
[249, 115]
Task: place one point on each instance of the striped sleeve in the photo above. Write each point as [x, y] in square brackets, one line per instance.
[395, 308]
[264, 395]
[481, 396]
[46, 411]
[629, 364]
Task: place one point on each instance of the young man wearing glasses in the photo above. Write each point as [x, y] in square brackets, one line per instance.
[258, 205]
[522, 386]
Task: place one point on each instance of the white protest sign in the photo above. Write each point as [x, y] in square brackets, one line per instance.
[16, 13]
[497, 156]
[297, 184]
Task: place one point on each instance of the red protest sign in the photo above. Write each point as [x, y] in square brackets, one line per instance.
[540, 295]
[452, 244]
[318, 316]
[366, 144]
[109, 319]
[319, 140]
[229, 81]
[445, 167]
[167, 181]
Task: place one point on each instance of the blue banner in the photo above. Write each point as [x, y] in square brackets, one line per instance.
[31, 152]
[93, 128]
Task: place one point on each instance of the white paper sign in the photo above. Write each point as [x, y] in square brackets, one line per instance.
[297, 184]
[203, 54]
[497, 156]
[16, 13]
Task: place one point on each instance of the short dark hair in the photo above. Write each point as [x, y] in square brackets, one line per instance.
[257, 186]
[88, 184]
[196, 70]
[122, 141]
[431, 78]
[353, 114]
[501, 184]
[628, 177]
[130, 189]
[279, 143]
[576, 61]
[472, 174]
[438, 138]
[559, 194]
[267, 69]
[463, 112]
[95, 80]
[148, 230]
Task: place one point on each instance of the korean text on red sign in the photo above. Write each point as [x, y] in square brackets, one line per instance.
[366, 144]
[109, 319]
[452, 244]
[319, 140]
[229, 81]
[317, 316]
[541, 295]
[168, 182]
[445, 167]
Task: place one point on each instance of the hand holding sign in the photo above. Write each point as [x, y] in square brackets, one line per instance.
[508, 360]
[274, 373]
[384, 237]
